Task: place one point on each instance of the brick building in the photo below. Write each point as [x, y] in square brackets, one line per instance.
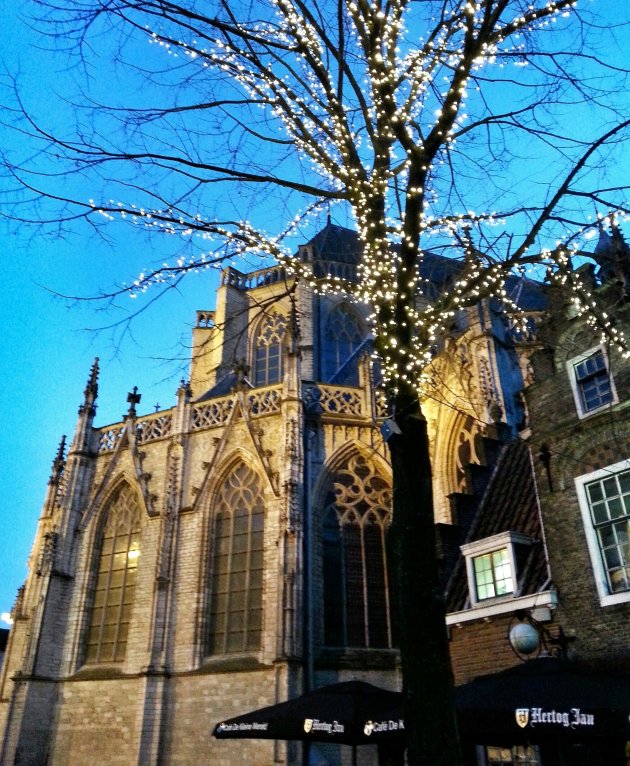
[229, 552]
[548, 544]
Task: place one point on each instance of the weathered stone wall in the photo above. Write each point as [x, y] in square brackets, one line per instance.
[96, 723]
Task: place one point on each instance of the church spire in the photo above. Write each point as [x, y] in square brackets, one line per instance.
[87, 410]
[58, 463]
[612, 255]
[91, 391]
[56, 480]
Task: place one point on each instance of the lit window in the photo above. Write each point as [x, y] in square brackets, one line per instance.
[491, 565]
[605, 502]
[591, 382]
[493, 574]
[236, 589]
[517, 755]
[116, 579]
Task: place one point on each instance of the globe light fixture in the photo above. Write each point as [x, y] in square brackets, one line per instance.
[530, 638]
[524, 639]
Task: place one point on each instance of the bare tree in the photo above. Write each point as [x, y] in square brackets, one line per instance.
[483, 129]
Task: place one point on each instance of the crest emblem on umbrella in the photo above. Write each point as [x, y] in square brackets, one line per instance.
[522, 716]
[308, 725]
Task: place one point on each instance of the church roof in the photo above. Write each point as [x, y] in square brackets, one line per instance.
[339, 245]
[334, 243]
[526, 293]
[224, 386]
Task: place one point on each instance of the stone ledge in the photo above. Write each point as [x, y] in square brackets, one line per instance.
[357, 659]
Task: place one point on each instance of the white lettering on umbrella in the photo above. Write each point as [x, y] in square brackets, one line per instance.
[376, 727]
[330, 727]
[255, 726]
[538, 716]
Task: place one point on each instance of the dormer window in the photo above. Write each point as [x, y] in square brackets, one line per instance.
[493, 574]
[492, 565]
[592, 384]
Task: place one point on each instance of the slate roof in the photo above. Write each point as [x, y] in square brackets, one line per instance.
[226, 385]
[526, 293]
[335, 243]
[509, 504]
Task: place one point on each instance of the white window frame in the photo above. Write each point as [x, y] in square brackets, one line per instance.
[487, 545]
[606, 598]
[577, 395]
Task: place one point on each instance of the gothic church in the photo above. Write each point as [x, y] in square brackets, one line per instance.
[229, 552]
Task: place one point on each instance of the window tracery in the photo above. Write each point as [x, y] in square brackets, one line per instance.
[466, 452]
[268, 347]
[116, 579]
[357, 515]
[236, 582]
[342, 337]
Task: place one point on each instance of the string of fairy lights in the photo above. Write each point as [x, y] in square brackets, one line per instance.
[374, 116]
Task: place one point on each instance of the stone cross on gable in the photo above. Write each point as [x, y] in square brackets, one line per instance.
[133, 398]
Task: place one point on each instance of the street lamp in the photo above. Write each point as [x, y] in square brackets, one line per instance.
[530, 638]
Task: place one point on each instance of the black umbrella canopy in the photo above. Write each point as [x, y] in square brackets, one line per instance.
[546, 697]
[348, 713]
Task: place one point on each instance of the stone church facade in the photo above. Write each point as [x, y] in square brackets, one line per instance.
[229, 552]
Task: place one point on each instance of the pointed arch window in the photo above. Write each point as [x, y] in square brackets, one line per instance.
[342, 337]
[356, 518]
[268, 348]
[116, 575]
[236, 586]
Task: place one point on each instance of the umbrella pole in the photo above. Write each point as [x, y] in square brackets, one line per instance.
[354, 755]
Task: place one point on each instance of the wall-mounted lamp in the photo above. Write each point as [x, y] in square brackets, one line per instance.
[530, 638]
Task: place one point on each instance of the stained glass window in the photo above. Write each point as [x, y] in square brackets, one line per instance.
[116, 579]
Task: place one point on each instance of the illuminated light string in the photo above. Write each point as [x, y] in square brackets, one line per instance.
[322, 130]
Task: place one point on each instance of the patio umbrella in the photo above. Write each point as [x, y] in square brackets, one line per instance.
[349, 713]
[546, 697]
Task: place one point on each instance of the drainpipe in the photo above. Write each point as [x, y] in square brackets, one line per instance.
[308, 574]
[308, 561]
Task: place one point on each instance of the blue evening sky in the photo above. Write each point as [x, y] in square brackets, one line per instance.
[49, 344]
[46, 351]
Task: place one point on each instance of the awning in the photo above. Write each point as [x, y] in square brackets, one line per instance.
[546, 697]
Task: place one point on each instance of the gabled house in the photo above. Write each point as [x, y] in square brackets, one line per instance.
[542, 573]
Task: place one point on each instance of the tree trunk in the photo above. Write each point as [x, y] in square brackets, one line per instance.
[432, 738]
